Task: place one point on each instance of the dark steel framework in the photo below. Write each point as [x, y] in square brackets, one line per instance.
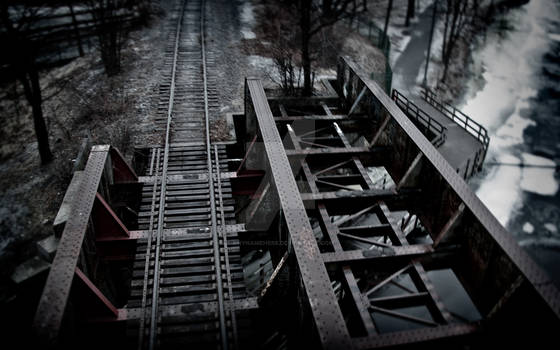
[91, 223]
[316, 155]
[355, 194]
[185, 282]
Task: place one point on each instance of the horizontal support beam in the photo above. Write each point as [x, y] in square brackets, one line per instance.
[296, 101]
[189, 232]
[400, 301]
[133, 314]
[184, 179]
[380, 255]
[310, 117]
[343, 202]
[332, 151]
[415, 336]
[323, 196]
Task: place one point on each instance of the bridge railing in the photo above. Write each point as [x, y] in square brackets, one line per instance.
[76, 268]
[463, 120]
[433, 129]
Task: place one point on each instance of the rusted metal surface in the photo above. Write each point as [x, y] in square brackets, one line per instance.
[333, 184]
[461, 193]
[55, 295]
[341, 189]
[328, 318]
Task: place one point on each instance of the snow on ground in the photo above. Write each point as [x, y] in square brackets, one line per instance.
[511, 132]
[510, 65]
[399, 41]
[538, 180]
[528, 228]
[435, 58]
[500, 191]
[398, 33]
[247, 21]
[554, 36]
[265, 68]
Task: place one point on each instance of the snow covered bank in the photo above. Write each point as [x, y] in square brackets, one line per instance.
[511, 64]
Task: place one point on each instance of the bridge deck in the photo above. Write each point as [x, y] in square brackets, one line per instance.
[460, 146]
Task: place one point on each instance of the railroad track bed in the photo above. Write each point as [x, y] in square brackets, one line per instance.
[187, 274]
[191, 258]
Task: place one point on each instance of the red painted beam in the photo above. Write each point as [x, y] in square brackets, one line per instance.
[122, 172]
[106, 223]
[90, 301]
[246, 182]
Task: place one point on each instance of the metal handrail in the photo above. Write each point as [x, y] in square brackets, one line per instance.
[461, 119]
[421, 117]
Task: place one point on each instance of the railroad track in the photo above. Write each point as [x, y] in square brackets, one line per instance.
[191, 257]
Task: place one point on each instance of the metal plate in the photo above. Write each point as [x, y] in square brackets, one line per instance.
[57, 288]
[328, 318]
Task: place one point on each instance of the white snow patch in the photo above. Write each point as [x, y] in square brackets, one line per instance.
[248, 21]
[511, 133]
[554, 36]
[551, 227]
[397, 45]
[500, 104]
[528, 228]
[266, 67]
[260, 61]
[538, 180]
[437, 42]
[248, 34]
[422, 6]
[499, 192]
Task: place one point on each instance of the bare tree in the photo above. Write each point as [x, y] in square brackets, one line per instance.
[110, 31]
[20, 54]
[409, 12]
[456, 20]
[386, 26]
[75, 27]
[316, 17]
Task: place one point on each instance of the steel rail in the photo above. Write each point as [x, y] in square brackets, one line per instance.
[161, 210]
[226, 252]
[148, 254]
[215, 238]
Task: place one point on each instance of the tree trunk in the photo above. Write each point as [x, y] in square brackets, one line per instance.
[409, 12]
[305, 56]
[445, 30]
[22, 59]
[76, 30]
[32, 89]
[385, 36]
[453, 37]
